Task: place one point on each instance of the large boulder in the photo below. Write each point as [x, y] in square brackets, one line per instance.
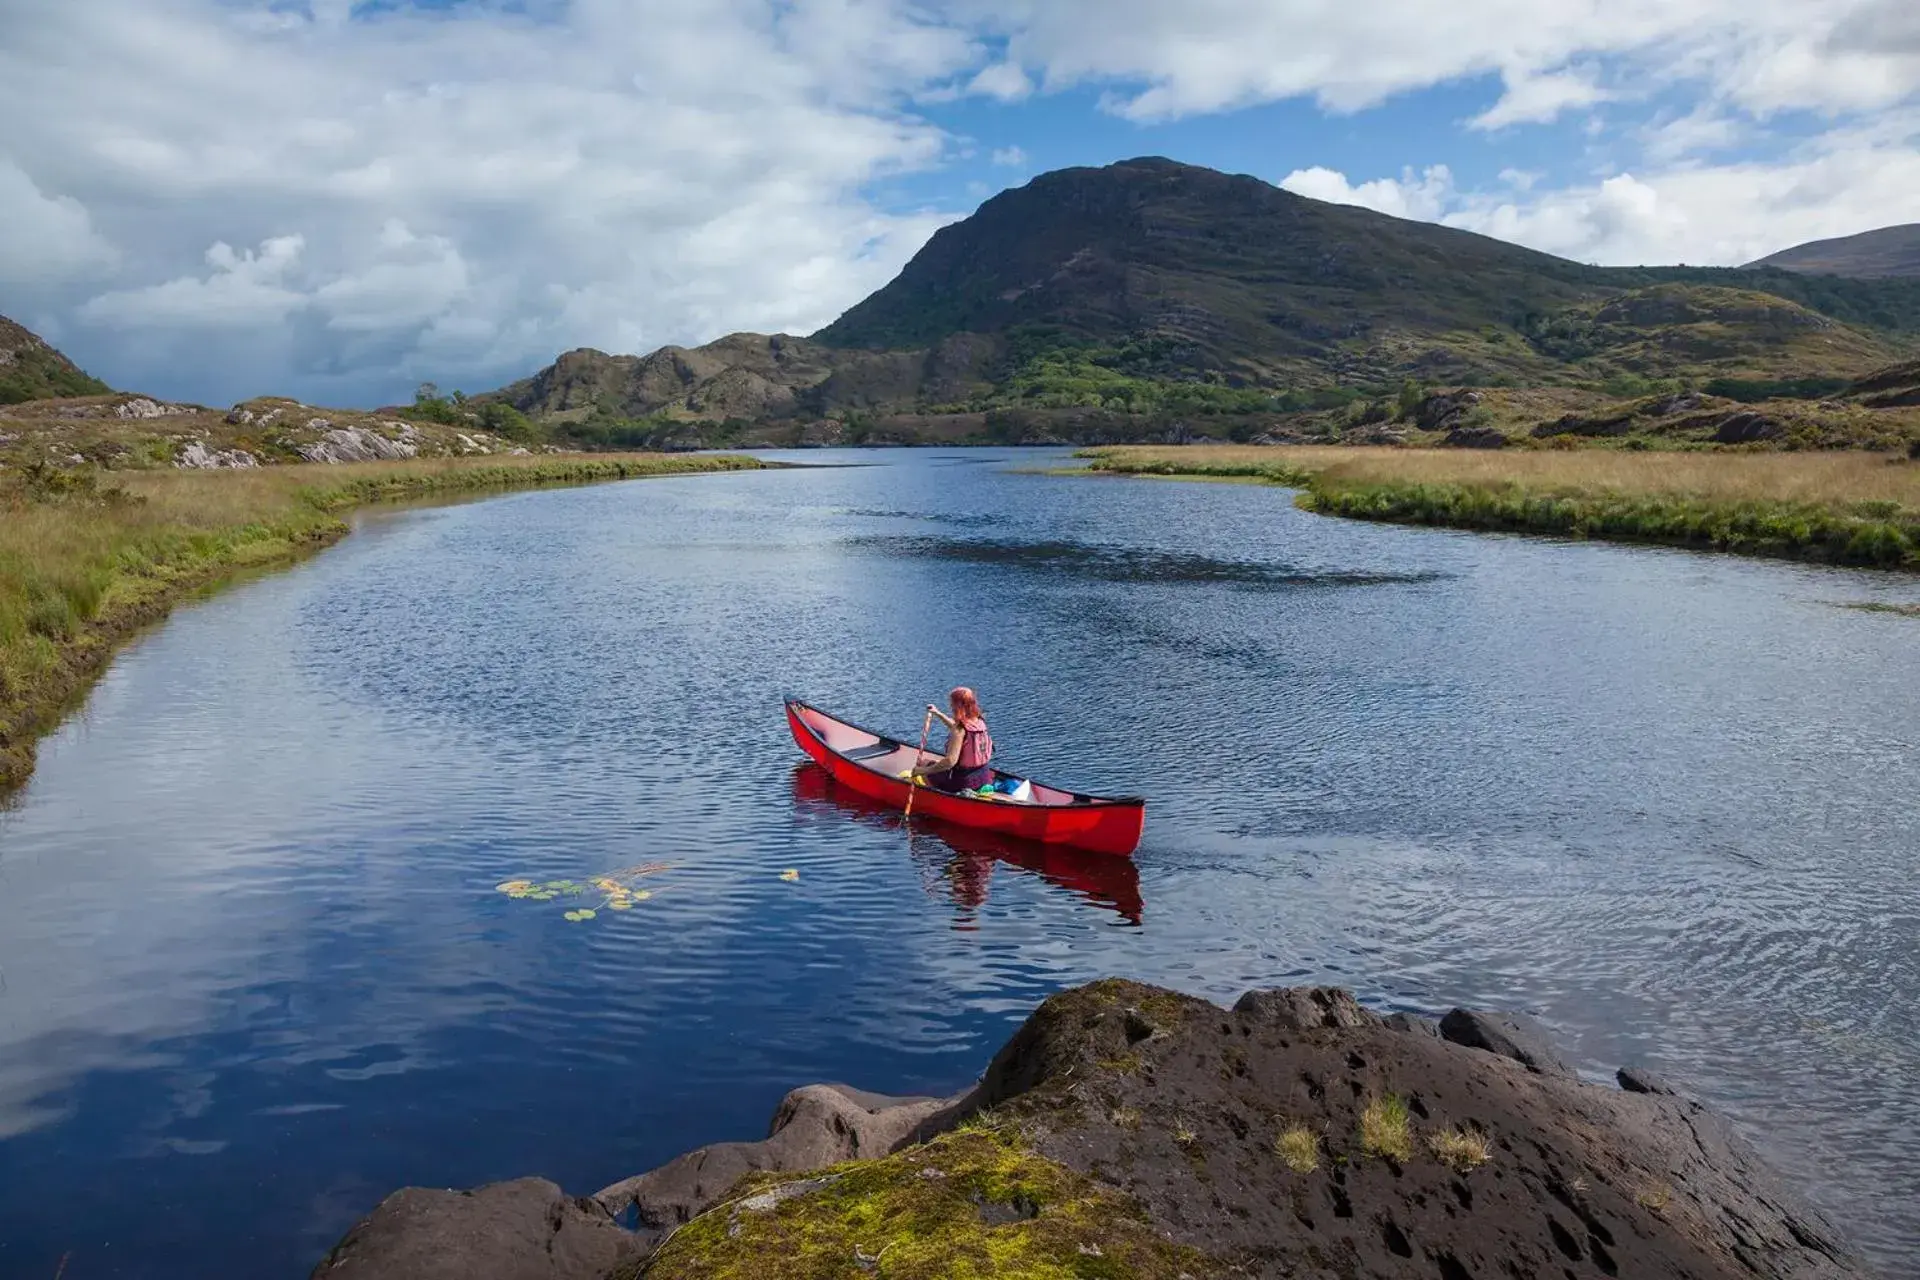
[195, 455]
[353, 444]
[1747, 426]
[1511, 1035]
[523, 1230]
[1126, 1130]
[815, 1126]
[1469, 436]
[1444, 410]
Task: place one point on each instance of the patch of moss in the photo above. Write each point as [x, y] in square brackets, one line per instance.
[967, 1206]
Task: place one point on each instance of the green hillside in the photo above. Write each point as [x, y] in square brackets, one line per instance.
[1886, 252]
[32, 370]
[1149, 293]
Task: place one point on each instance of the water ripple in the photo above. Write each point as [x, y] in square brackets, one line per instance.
[250, 904]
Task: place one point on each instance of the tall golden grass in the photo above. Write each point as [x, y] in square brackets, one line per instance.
[1844, 507]
[1833, 479]
[85, 559]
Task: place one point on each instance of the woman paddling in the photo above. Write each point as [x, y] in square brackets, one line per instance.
[969, 746]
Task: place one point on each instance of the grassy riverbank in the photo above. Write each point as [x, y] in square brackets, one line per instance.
[87, 558]
[1845, 508]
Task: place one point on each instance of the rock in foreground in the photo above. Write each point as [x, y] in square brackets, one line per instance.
[1130, 1131]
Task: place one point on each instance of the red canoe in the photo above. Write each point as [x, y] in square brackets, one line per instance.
[872, 764]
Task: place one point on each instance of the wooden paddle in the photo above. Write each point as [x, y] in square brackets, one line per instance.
[913, 770]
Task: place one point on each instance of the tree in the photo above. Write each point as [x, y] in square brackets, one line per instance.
[1409, 399]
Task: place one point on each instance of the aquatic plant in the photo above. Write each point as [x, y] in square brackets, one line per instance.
[618, 890]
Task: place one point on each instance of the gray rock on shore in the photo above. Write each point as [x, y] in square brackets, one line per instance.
[1297, 1134]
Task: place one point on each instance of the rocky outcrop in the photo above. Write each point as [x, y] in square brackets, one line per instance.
[354, 444]
[1445, 410]
[523, 1230]
[1127, 1130]
[1747, 427]
[1476, 437]
[195, 455]
[815, 1126]
[141, 407]
[1510, 1035]
[1574, 424]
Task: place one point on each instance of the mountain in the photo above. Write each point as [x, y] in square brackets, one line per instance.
[1888, 252]
[32, 370]
[1237, 273]
[1157, 291]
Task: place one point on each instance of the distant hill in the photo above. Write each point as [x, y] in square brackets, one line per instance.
[1158, 291]
[1890, 252]
[32, 370]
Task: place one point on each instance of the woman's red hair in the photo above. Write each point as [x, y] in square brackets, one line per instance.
[965, 705]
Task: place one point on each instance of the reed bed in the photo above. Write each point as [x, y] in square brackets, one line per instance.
[87, 558]
[1846, 508]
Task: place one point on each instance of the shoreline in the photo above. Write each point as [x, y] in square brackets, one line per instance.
[1127, 1130]
[1469, 492]
[134, 573]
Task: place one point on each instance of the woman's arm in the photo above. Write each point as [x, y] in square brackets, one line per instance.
[945, 719]
[949, 758]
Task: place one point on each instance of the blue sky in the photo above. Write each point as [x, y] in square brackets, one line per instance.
[338, 200]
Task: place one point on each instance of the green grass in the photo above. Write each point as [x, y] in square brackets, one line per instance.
[86, 559]
[1851, 508]
[1385, 1129]
[1298, 1149]
[1462, 1150]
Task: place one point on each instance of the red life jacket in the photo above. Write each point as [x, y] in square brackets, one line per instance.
[976, 748]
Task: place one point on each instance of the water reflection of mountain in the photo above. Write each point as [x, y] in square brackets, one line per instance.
[967, 857]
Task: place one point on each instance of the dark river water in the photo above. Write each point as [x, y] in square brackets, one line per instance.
[255, 971]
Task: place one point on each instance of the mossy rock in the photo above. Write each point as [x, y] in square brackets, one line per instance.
[972, 1204]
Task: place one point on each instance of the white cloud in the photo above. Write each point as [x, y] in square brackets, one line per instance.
[1702, 214]
[1705, 128]
[1006, 81]
[1213, 55]
[479, 186]
[1424, 197]
[1010, 157]
[47, 238]
[1539, 99]
[473, 189]
[246, 289]
[413, 280]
